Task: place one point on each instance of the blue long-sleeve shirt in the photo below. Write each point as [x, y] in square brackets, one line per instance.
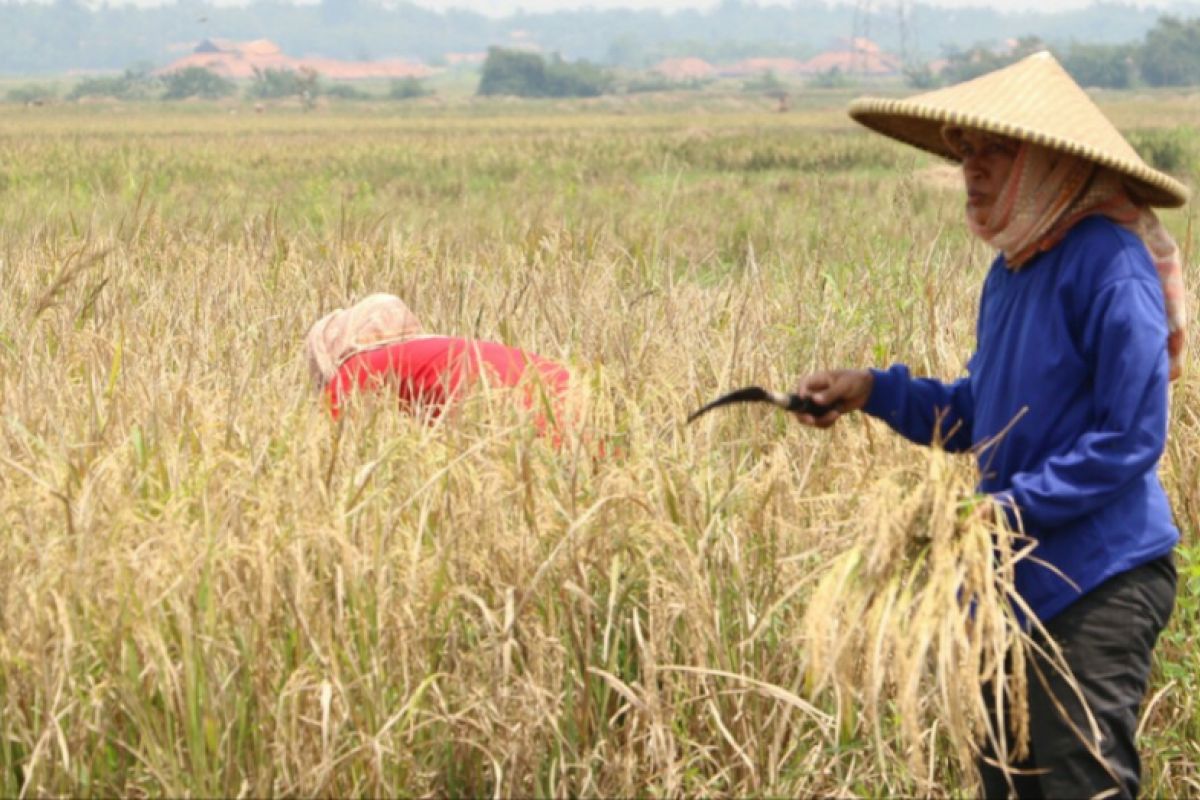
[1065, 406]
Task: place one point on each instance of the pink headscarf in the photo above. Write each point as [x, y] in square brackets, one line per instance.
[375, 321]
[1047, 192]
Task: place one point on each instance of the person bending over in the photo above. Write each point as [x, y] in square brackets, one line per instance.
[379, 344]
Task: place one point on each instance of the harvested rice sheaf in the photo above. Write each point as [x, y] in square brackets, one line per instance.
[917, 615]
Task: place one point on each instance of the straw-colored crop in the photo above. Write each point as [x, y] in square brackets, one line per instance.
[208, 588]
[920, 612]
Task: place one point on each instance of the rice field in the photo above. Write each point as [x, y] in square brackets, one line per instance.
[207, 588]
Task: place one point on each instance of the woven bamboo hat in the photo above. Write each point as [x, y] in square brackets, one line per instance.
[1033, 100]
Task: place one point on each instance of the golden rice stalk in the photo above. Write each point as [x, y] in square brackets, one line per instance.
[916, 615]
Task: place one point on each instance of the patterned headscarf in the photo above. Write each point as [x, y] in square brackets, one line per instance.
[375, 321]
[1047, 192]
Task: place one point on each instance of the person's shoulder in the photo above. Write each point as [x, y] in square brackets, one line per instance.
[1100, 231]
[1101, 251]
[410, 351]
[496, 353]
[430, 342]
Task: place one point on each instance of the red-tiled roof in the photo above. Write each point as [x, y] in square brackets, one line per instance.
[858, 56]
[859, 63]
[757, 66]
[682, 69]
[240, 59]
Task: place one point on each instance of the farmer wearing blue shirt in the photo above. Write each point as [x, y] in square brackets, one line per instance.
[1064, 404]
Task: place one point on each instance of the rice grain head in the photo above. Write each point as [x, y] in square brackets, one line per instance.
[917, 614]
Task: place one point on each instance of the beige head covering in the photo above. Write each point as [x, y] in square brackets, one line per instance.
[1033, 100]
[375, 321]
[1047, 192]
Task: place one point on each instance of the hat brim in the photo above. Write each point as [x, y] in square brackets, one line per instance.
[920, 125]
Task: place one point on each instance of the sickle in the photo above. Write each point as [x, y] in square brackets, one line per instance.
[757, 394]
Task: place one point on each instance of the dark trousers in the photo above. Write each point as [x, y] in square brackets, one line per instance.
[1107, 637]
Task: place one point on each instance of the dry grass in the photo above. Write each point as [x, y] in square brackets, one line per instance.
[209, 589]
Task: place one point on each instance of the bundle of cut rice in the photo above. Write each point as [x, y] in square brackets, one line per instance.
[918, 614]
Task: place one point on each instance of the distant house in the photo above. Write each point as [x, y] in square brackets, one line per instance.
[240, 60]
[857, 56]
[684, 69]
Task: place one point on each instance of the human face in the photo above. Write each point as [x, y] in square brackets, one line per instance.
[987, 161]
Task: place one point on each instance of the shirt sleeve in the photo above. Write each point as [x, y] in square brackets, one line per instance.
[923, 410]
[1124, 338]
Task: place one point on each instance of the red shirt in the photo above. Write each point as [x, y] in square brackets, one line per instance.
[430, 372]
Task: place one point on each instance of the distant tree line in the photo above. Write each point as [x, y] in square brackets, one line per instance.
[1168, 56]
[524, 74]
[137, 83]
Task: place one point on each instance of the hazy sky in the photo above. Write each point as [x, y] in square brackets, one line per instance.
[498, 8]
[502, 7]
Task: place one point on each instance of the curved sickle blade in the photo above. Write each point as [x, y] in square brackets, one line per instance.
[757, 394]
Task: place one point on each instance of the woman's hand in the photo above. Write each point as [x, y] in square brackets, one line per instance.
[847, 389]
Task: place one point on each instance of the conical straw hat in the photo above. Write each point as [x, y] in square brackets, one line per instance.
[1033, 100]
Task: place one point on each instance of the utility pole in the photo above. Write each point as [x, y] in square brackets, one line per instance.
[909, 46]
[860, 30]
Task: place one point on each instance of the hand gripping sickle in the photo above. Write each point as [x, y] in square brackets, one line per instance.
[756, 394]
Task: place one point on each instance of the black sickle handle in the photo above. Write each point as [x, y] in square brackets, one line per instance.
[806, 405]
[756, 394]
